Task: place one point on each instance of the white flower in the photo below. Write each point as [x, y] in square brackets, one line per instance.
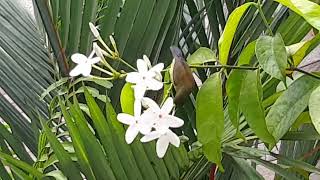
[161, 117]
[94, 30]
[84, 64]
[163, 142]
[145, 78]
[161, 121]
[136, 124]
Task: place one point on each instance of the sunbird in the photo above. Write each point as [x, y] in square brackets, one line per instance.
[181, 76]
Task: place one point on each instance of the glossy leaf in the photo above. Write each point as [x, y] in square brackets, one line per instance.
[127, 98]
[309, 10]
[272, 56]
[314, 108]
[251, 106]
[210, 118]
[201, 56]
[290, 105]
[226, 38]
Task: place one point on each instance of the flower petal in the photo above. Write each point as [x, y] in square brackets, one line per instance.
[133, 77]
[139, 91]
[142, 66]
[131, 133]
[126, 118]
[153, 84]
[157, 68]
[86, 69]
[137, 108]
[150, 104]
[150, 136]
[78, 58]
[173, 138]
[95, 60]
[147, 60]
[162, 146]
[75, 71]
[173, 121]
[167, 106]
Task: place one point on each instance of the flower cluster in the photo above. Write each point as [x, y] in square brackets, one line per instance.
[149, 119]
[155, 122]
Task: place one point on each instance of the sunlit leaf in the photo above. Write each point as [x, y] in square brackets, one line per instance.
[309, 10]
[201, 56]
[127, 98]
[210, 118]
[226, 38]
[314, 108]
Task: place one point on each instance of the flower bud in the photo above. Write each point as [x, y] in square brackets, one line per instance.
[94, 30]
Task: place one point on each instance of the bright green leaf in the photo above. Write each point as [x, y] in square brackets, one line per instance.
[210, 118]
[251, 106]
[290, 105]
[314, 108]
[226, 38]
[272, 56]
[127, 98]
[309, 10]
[201, 56]
[247, 54]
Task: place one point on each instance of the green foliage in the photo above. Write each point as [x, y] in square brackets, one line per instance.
[237, 106]
[272, 56]
[210, 121]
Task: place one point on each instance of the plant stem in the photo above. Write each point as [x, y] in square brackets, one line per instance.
[127, 64]
[224, 66]
[102, 70]
[264, 19]
[252, 68]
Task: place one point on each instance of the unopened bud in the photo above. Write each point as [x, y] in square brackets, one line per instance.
[94, 30]
[97, 50]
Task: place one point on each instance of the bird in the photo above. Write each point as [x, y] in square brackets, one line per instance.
[181, 76]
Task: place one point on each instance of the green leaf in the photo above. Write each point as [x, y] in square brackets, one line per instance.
[127, 99]
[305, 49]
[296, 163]
[314, 108]
[247, 54]
[96, 156]
[272, 56]
[290, 105]
[234, 86]
[303, 135]
[210, 118]
[20, 164]
[105, 136]
[309, 10]
[54, 86]
[226, 38]
[67, 165]
[277, 169]
[251, 106]
[77, 142]
[201, 56]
